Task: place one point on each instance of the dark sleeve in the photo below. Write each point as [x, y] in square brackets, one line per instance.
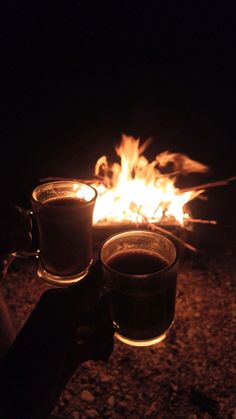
[48, 350]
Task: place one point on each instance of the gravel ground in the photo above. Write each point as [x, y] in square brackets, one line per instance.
[190, 375]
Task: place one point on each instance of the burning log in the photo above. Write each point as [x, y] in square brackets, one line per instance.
[197, 220]
[208, 185]
[173, 236]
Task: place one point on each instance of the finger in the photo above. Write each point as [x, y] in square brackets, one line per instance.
[97, 339]
[96, 349]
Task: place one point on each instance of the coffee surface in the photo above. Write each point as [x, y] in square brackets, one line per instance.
[136, 262]
[66, 202]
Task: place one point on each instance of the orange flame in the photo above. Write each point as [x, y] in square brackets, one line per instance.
[134, 189]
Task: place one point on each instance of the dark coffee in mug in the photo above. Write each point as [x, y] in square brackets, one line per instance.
[142, 314]
[63, 212]
[64, 227]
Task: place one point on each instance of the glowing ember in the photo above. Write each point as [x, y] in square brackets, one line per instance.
[135, 190]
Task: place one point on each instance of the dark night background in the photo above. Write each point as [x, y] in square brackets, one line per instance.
[75, 76]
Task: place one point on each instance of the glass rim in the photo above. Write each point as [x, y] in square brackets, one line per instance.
[61, 182]
[140, 276]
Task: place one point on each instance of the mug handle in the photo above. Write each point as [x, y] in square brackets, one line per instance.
[5, 263]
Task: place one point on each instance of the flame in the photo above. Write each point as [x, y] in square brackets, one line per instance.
[135, 189]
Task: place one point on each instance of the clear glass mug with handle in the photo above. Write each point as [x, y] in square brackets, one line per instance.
[140, 271]
[63, 211]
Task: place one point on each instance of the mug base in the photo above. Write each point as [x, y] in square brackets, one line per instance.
[61, 281]
[142, 343]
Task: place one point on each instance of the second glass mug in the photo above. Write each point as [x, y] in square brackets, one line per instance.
[140, 269]
[63, 211]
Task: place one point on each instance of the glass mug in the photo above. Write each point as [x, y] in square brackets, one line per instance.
[63, 211]
[140, 268]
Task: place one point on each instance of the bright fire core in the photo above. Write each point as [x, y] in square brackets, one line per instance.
[136, 190]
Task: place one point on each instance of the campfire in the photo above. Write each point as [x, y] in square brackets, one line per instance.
[135, 191]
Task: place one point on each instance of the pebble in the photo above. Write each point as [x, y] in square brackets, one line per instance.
[123, 404]
[111, 400]
[87, 396]
[104, 378]
[174, 387]
[67, 396]
[92, 413]
[151, 410]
